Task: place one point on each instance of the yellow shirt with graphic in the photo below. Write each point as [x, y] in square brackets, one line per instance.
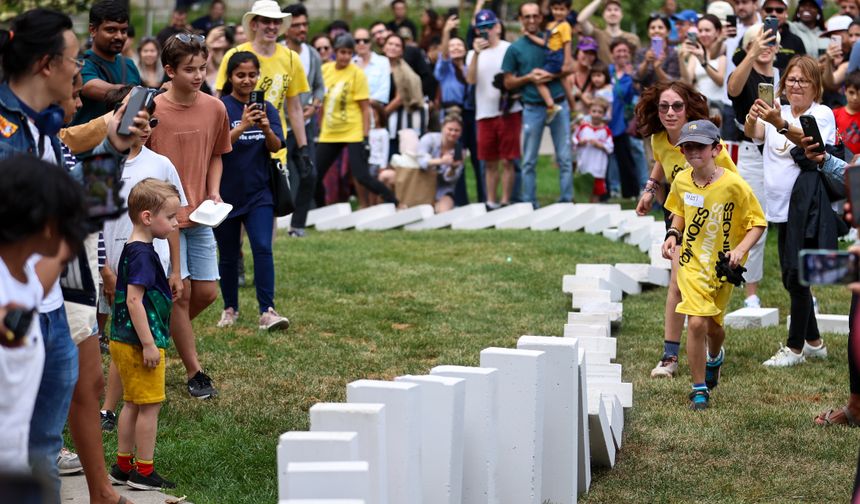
[341, 119]
[281, 76]
[673, 162]
[560, 34]
[716, 218]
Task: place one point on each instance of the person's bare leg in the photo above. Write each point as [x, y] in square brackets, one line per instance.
[697, 331]
[84, 423]
[146, 430]
[444, 204]
[125, 428]
[114, 389]
[182, 333]
[203, 294]
[491, 179]
[751, 288]
[716, 337]
[674, 322]
[508, 180]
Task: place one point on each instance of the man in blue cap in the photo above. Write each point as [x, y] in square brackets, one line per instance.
[685, 20]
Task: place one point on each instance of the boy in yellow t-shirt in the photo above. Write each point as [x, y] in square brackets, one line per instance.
[557, 42]
[716, 211]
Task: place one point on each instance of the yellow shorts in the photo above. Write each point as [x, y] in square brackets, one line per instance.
[140, 384]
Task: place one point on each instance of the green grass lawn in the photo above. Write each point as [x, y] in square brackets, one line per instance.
[378, 305]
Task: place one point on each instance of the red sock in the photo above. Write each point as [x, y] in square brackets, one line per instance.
[145, 467]
[124, 461]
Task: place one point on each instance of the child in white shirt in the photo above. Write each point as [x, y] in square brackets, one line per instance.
[592, 141]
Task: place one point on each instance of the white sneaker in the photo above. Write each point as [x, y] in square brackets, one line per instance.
[228, 318]
[813, 352]
[785, 357]
[68, 462]
[752, 302]
[666, 368]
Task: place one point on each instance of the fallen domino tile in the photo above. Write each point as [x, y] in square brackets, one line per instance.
[612, 275]
[656, 255]
[639, 222]
[403, 433]
[645, 273]
[580, 297]
[520, 412]
[479, 426]
[399, 219]
[327, 212]
[837, 324]
[445, 219]
[578, 219]
[356, 218]
[313, 447]
[549, 213]
[583, 438]
[490, 219]
[591, 319]
[601, 442]
[623, 390]
[330, 480]
[605, 345]
[615, 310]
[619, 219]
[613, 234]
[368, 421]
[601, 222]
[442, 415]
[559, 477]
[588, 330]
[752, 317]
[570, 283]
[604, 372]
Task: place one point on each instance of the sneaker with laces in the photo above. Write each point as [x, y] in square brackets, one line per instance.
[228, 318]
[108, 420]
[152, 482]
[699, 400]
[551, 113]
[117, 476]
[785, 357]
[752, 302]
[271, 321]
[814, 352]
[712, 370]
[666, 368]
[200, 386]
[68, 462]
[296, 233]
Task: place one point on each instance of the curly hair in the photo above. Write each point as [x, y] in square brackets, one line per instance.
[647, 114]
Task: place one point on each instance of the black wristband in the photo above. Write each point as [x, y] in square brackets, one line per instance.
[673, 232]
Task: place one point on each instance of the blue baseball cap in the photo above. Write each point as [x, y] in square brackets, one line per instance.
[486, 18]
[688, 15]
[702, 132]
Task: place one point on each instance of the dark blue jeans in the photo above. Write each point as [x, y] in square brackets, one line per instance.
[258, 224]
[55, 396]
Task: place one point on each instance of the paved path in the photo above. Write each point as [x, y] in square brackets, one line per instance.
[74, 491]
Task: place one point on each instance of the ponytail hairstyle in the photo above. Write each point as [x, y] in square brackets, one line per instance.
[237, 59]
[32, 36]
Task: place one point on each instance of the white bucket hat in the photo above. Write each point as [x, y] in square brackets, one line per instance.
[267, 9]
[837, 24]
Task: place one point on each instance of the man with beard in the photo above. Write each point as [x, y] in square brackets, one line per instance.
[105, 72]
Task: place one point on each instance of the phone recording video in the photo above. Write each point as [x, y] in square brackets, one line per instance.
[828, 267]
[257, 99]
[102, 183]
[141, 98]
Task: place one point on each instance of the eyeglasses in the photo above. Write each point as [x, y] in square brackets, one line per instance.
[187, 38]
[362, 41]
[803, 83]
[774, 10]
[664, 107]
[79, 63]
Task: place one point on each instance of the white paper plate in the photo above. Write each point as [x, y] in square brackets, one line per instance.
[210, 213]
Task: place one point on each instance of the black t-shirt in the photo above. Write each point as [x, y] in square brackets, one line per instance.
[790, 46]
[394, 26]
[744, 101]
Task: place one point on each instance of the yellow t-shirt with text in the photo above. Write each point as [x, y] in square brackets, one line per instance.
[281, 76]
[560, 34]
[716, 218]
[673, 162]
[341, 118]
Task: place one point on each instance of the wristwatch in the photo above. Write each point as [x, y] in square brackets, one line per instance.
[784, 129]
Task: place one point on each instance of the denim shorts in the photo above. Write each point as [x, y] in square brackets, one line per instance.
[198, 254]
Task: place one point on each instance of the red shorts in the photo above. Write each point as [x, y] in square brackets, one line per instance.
[499, 137]
[599, 187]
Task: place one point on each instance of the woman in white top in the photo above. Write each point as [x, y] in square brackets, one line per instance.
[441, 152]
[779, 129]
[703, 63]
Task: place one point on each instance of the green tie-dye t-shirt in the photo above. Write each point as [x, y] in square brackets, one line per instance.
[139, 265]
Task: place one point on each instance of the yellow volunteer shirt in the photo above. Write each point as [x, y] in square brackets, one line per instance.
[673, 162]
[560, 34]
[281, 76]
[342, 120]
[716, 218]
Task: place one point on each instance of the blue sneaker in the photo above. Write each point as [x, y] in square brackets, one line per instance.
[699, 400]
[712, 370]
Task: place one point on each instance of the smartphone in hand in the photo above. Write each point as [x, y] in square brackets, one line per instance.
[765, 93]
[771, 24]
[810, 129]
[829, 267]
[141, 99]
[732, 20]
[257, 99]
[657, 46]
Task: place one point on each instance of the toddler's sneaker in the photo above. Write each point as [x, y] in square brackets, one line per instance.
[117, 476]
[785, 357]
[152, 482]
[666, 368]
[752, 302]
[108, 420]
[228, 317]
[271, 321]
[68, 462]
[814, 352]
[712, 369]
[699, 400]
[551, 113]
[200, 386]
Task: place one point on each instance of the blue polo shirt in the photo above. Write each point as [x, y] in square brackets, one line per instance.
[108, 71]
[522, 57]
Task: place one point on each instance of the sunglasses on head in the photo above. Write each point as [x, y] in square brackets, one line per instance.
[657, 15]
[187, 38]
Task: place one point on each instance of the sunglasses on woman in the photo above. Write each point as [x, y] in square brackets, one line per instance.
[664, 107]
